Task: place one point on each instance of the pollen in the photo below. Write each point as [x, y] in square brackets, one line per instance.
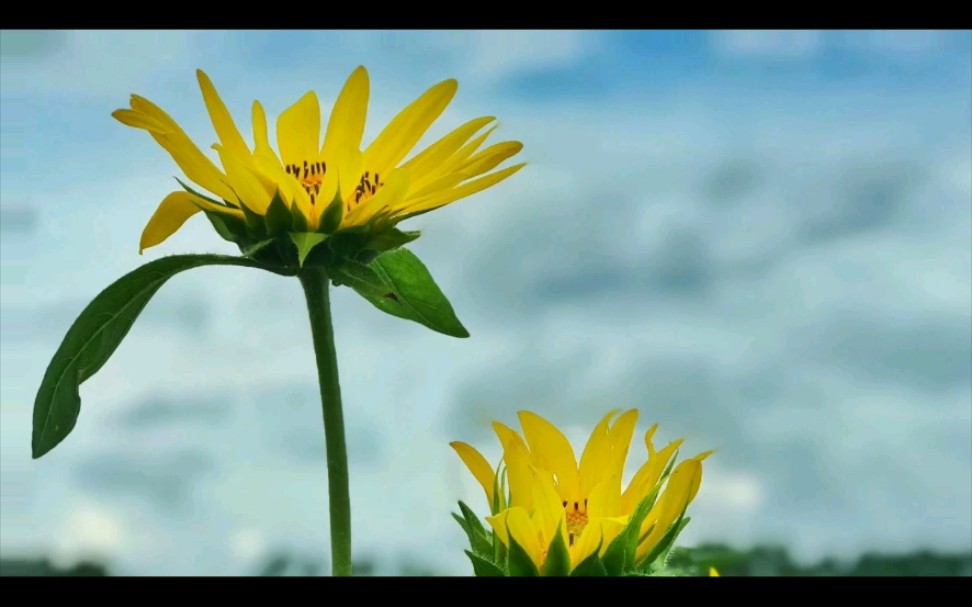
[576, 519]
[310, 177]
[367, 187]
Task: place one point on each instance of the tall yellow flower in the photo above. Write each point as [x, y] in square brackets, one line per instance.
[551, 492]
[311, 185]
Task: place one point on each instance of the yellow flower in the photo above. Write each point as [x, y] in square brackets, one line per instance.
[713, 572]
[550, 491]
[370, 187]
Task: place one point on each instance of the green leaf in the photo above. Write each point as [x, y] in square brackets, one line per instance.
[255, 224]
[397, 283]
[483, 567]
[96, 334]
[305, 243]
[590, 567]
[478, 536]
[256, 248]
[558, 558]
[391, 239]
[298, 221]
[518, 562]
[228, 227]
[331, 218]
[278, 217]
[656, 558]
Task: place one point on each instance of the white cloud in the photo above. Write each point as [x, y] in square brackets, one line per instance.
[768, 44]
[495, 54]
[90, 531]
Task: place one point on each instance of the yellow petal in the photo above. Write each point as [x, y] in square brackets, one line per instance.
[172, 212]
[585, 545]
[347, 121]
[403, 132]
[478, 465]
[548, 513]
[196, 166]
[226, 129]
[261, 140]
[491, 157]
[620, 436]
[526, 534]
[436, 154]
[671, 504]
[605, 498]
[253, 190]
[597, 451]
[519, 475]
[713, 572]
[299, 131]
[139, 121]
[553, 450]
[387, 199]
[434, 201]
[498, 523]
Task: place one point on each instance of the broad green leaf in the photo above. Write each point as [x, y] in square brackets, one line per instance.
[483, 567]
[305, 243]
[397, 283]
[518, 562]
[96, 334]
[557, 562]
[298, 221]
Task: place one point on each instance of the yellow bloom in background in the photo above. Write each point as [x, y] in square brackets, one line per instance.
[330, 184]
[552, 492]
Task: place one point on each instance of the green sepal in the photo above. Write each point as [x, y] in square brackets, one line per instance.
[557, 563]
[518, 562]
[483, 567]
[655, 559]
[333, 214]
[305, 243]
[590, 567]
[256, 226]
[297, 220]
[479, 539]
[230, 228]
[398, 283]
[96, 334]
[393, 238]
[622, 552]
[253, 249]
[278, 217]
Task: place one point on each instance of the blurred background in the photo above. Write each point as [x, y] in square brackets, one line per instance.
[761, 240]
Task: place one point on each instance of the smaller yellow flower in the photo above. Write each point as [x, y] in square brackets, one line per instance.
[551, 491]
[713, 572]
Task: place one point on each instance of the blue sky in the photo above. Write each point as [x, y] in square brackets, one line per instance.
[759, 239]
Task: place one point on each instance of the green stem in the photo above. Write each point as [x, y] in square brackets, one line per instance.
[315, 283]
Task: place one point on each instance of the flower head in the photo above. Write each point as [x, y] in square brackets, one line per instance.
[552, 493]
[308, 184]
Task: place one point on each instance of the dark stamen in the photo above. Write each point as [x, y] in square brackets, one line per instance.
[576, 506]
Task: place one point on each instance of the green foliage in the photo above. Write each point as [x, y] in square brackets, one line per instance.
[518, 561]
[305, 243]
[398, 283]
[95, 335]
[557, 562]
[483, 567]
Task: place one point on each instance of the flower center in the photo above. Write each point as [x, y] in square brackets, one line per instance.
[576, 519]
[310, 177]
[366, 189]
